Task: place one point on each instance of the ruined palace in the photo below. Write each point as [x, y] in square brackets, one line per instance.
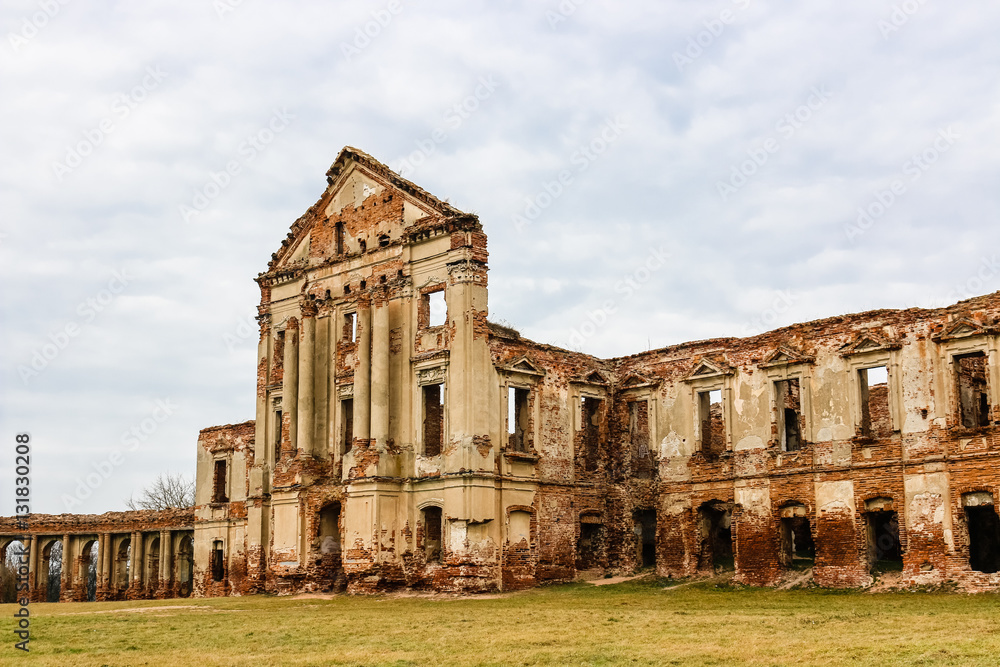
[401, 439]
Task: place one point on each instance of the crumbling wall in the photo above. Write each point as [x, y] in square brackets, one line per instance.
[616, 464]
[221, 520]
[109, 530]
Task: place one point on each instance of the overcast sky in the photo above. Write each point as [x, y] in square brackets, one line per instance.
[648, 173]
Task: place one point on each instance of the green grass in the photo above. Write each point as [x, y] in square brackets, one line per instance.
[633, 623]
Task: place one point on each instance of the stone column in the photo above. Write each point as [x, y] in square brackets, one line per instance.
[166, 551]
[66, 580]
[100, 558]
[102, 553]
[290, 381]
[333, 397]
[31, 544]
[380, 375]
[108, 562]
[306, 414]
[263, 372]
[135, 564]
[362, 376]
[82, 569]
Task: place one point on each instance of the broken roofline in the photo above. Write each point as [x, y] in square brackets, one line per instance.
[828, 326]
[348, 154]
[824, 326]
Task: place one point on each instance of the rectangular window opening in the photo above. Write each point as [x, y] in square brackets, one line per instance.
[347, 423]
[517, 419]
[712, 423]
[338, 235]
[219, 494]
[218, 561]
[277, 435]
[432, 534]
[638, 428]
[973, 398]
[433, 419]
[590, 411]
[279, 350]
[645, 532]
[437, 308]
[984, 538]
[796, 541]
[876, 421]
[885, 551]
[789, 414]
[351, 327]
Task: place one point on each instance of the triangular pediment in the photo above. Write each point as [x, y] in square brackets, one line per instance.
[708, 368]
[785, 355]
[636, 381]
[964, 327]
[868, 341]
[525, 366]
[593, 377]
[366, 206]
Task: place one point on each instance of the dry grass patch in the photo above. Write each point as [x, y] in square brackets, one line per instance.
[635, 623]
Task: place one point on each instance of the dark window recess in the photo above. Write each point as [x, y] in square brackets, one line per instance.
[716, 548]
[590, 545]
[713, 427]
[885, 551]
[790, 421]
[347, 421]
[590, 414]
[876, 421]
[796, 541]
[973, 399]
[277, 435]
[433, 420]
[338, 235]
[644, 522]
[638, 429]
[518, 421]
[432, 534]
[984, 538]
[218, 561]
[219, 494]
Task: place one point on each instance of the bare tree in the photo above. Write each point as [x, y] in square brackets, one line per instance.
[55, 572]
[8, 572]
[167, 491]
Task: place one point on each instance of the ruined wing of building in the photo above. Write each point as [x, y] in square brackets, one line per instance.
[403, 440]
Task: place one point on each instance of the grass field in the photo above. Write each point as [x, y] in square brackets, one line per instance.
[634, 623]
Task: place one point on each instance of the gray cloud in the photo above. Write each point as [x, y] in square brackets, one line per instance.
[782, 232]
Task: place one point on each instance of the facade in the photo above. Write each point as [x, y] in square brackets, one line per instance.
[401, 439]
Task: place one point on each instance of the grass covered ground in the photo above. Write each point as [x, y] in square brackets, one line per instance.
[634, 623]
